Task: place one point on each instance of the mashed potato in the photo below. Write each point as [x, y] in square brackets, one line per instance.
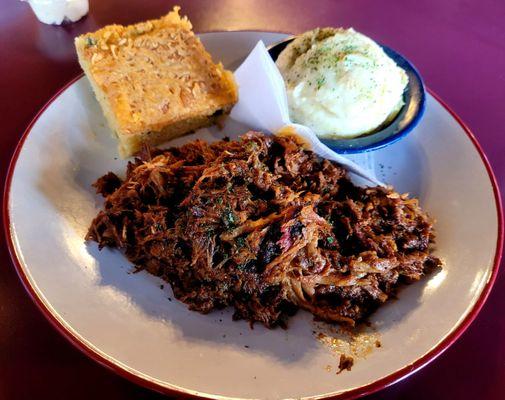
[340, 83]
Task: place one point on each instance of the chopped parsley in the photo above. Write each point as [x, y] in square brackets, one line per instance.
[240, 242]
[252, 146]
[90, 41]
[320, 82]
[229, 218]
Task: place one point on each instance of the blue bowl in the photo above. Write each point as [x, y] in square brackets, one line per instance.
[409, 116]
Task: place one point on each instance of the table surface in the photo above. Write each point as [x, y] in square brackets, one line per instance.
[459, 47]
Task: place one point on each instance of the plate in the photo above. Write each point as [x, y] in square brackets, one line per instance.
[127, 322]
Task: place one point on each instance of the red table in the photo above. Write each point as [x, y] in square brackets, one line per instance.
[459, 47]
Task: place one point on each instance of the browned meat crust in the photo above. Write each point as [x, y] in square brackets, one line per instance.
[264, 226]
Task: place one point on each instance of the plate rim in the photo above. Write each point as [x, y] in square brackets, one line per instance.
[140, 379]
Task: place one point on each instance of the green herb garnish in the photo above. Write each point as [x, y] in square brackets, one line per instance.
[90, 41]
[251, 146]
[320, 82]
[229, 218]
[240, 241]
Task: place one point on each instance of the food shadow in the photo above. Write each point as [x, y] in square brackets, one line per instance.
[154, 298]
[399, 307]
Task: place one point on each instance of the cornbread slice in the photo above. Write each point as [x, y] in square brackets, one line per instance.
[154, 80]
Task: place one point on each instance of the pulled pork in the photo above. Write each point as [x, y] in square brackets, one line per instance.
[264, 226]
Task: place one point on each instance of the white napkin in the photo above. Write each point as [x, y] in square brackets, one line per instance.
[263, 105]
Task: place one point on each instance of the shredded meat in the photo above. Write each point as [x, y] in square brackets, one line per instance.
[345, 363]
[264, 226]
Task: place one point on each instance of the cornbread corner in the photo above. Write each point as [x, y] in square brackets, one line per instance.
[154, 80]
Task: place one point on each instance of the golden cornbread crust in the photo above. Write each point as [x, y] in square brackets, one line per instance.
[154, 80]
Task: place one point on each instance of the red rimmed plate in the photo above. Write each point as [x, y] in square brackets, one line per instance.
[126, 321]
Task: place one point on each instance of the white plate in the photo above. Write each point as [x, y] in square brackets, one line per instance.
[126, 322]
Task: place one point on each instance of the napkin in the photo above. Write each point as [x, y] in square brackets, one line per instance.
[263, 106]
